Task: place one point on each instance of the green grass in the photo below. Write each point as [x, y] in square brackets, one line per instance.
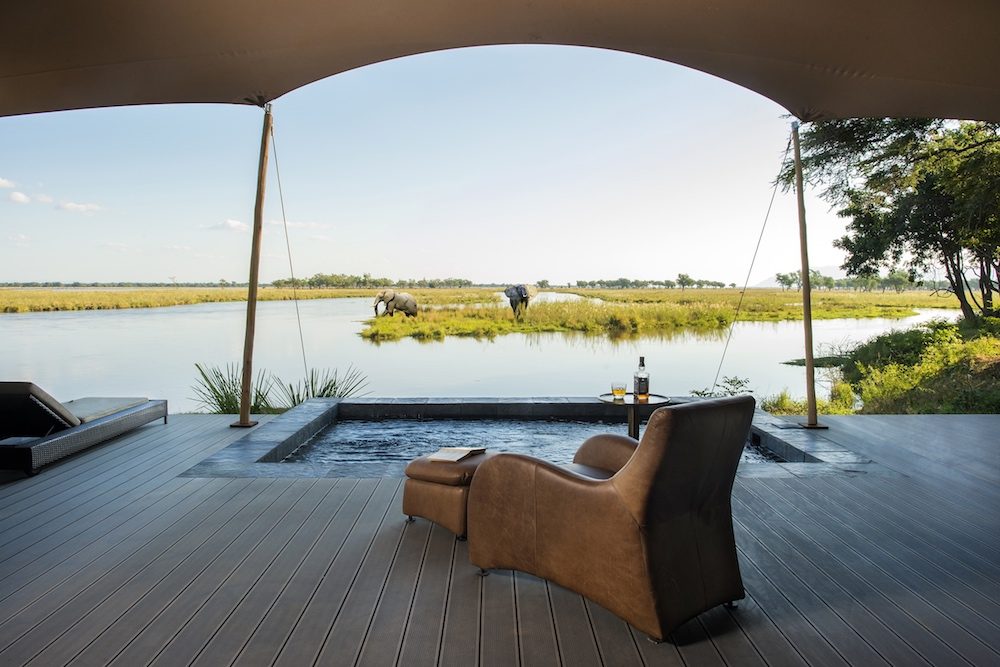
[841, 402]
[488, 321]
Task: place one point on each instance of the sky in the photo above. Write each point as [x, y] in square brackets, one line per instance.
[496, 164]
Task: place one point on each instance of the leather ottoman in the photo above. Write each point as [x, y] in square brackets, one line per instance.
[439, 491]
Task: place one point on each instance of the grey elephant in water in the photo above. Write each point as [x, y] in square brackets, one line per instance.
[394, 301]
[518, 295]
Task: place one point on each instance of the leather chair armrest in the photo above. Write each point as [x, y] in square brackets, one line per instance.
[606, 451]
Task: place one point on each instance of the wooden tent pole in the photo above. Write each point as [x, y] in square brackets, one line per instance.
[806, 288]
[258, 229]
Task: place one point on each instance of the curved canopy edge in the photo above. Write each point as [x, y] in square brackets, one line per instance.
[913, 58]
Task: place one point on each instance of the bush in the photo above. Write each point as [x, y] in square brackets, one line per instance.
[895, 347]
[951, 376]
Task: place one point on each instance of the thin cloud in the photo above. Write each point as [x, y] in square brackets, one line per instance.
[19, 197]
[79, 208]
[177, 248]
[320, 237]
[19, 240]
[4, 183]
[117, 247]
[231, 226]
[43, 199]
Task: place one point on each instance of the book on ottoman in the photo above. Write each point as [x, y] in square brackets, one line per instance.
[453, 454]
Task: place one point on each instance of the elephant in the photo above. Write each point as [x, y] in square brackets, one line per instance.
[394, 301]
[518, 295]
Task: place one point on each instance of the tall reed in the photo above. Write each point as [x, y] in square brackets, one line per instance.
[218, 389]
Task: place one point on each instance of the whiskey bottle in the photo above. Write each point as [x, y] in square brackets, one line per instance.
[640, 381]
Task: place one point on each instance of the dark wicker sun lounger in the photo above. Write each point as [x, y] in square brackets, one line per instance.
[36, 429]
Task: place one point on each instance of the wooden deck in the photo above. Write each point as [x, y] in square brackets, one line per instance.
[112, 558]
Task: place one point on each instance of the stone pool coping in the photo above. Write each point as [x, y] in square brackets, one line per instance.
[259, 453]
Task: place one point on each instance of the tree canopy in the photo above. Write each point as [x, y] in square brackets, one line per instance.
[919, 194]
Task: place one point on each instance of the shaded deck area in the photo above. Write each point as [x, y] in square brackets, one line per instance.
[112, 557]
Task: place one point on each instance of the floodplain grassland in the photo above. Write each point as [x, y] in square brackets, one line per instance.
[774, 305]
[496, 319]
[26, 300]
[650, 312]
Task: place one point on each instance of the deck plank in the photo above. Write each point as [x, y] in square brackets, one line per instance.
[839, 588]
[123, 563]
[85, 470]
[142, 569]
[764, 635]
[263, 643]
[535, 629]
[145, 595]
[385, 633]
[977, 549]
[347, 635]
[306, 639]
[460, 638]
[81, 468]
[499, 643]
[907, 616]
[921, 552]
[111, 558]
[577, 645]
[973, 636]
[232, 625]
[64, 567]
[734, 646]
[614, 637]
[422, 642]
[84, 523]
[185, 624]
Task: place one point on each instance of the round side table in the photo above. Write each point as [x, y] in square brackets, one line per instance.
[631, 403]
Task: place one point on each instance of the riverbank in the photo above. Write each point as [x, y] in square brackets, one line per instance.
[25, 300]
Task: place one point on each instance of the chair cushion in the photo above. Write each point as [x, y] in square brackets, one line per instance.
[94, 407]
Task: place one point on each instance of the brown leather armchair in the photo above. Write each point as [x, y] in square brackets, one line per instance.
[645, 531]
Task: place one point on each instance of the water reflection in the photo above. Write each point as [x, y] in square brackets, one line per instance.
[153, 352]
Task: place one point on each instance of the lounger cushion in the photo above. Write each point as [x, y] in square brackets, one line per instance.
[27, 410]
[94, 407]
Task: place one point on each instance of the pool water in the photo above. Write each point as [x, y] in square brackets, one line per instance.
[383, 448]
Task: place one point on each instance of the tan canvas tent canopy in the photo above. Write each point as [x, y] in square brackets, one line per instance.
[818, 59]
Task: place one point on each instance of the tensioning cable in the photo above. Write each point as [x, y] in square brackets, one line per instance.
[291, 271]
[746, 283]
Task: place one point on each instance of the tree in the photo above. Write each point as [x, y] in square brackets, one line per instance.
[783, 280]
[919, 193]
[897, 281]
[684, 280]
[543, 284]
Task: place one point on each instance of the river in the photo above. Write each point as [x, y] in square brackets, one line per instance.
[152, 352]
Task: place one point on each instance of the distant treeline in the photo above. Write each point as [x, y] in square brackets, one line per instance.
[343, 280]
[897, 281]
[683, 281]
